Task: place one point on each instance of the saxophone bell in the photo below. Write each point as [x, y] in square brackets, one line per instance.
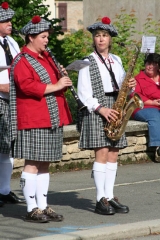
[115, 130]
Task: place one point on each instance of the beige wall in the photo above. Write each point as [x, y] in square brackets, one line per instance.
[95, 8]
[51, 8]
[74, 14]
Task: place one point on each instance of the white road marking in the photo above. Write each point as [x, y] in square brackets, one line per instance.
[116, 185]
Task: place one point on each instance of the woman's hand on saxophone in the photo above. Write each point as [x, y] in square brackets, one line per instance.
[132, 83]
[109, 114]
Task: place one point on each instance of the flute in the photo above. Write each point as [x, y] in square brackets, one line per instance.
[79, 103]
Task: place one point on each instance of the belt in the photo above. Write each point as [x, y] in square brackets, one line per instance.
[111, 94]
[5, 100]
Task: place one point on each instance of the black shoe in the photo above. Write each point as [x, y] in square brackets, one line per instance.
[1, 203]
[158, 151]
[157, 155]
[37, 216]
[119, 208]
[103, 207]
[52, 215]
[11, 198]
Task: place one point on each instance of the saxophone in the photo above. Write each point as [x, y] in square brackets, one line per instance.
[115, 129]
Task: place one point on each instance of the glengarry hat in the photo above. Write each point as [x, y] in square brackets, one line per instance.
[36, 26]
[105, 24]
[5, 12]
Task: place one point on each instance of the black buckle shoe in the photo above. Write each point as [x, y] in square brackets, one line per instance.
[37, 216]
[119, 208]
[11, 198]
[103, 207]
[53, 216]
[157, 155]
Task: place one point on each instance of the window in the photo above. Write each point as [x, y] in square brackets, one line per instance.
[62, 13]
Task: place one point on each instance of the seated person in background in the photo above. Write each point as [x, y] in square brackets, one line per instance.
[148, 87]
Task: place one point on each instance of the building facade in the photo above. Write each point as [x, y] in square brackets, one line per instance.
[93, 9]
[71, 11]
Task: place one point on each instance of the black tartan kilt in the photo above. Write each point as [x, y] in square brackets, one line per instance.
[92, 134]
[4, 128]
[39, 144]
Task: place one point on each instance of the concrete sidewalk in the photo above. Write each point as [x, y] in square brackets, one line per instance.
[123, 231]
[73, 194]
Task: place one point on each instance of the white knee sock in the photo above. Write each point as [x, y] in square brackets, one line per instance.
[6, 166]
[111, 169]
[42, 190]
[99, 172]
[28, 184]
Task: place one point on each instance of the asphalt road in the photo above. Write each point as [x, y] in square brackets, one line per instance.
[73, 195]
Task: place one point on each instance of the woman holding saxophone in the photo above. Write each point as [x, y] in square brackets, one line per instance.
[98, 87]
[38, 112]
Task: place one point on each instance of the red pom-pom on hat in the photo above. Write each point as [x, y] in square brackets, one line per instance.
[36, 19]
[5, 5]
[106, 20]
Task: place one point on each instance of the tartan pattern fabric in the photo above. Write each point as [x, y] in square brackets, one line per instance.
[39, 144]
[97, 86]
[35, 28]
[6, 14]
[50, 98]
[99, 25]
[4, 127]
[92, 134]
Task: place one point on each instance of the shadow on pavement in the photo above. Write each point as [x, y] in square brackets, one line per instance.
[70, 199]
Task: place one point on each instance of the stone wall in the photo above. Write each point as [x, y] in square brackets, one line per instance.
[137, 150]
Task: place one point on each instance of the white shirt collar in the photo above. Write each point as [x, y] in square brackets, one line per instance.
[2, 39]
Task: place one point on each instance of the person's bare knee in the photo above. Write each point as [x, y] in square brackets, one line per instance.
[101, 155]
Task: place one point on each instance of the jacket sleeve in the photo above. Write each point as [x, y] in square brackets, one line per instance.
[27, 80]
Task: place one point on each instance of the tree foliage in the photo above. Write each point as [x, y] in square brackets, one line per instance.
[25, 10]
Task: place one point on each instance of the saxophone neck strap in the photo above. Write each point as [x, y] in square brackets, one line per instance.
[113, 79]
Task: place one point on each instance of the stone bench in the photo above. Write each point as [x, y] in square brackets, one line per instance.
[137, 150]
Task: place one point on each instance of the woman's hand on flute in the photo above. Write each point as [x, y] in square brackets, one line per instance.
[64, 82]
[63, 71]
[61, 84]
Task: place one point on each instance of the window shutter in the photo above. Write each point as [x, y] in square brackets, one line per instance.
[62, 13]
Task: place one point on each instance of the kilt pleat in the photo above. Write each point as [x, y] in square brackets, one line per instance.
[4, 127]
[39, 144]
[92, 134]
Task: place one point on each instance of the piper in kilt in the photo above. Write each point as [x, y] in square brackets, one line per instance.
[38, 111]
[98, 86]
[6, 161]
